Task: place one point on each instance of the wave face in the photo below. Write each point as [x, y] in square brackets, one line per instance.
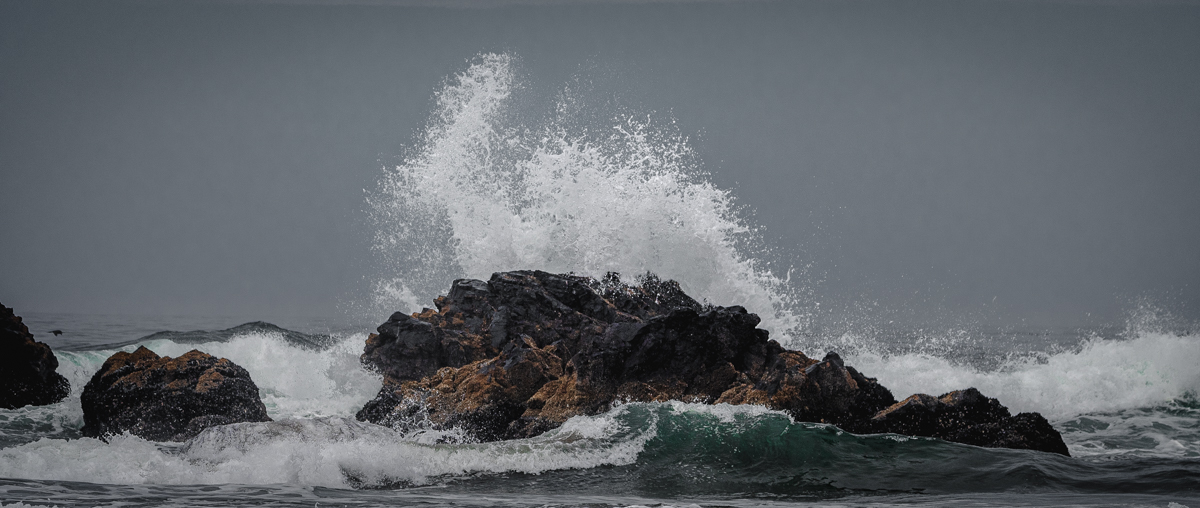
[636, 454]
[484, 191]
[657, 450]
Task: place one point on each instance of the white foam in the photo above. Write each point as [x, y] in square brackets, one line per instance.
[79, 366]
[65, 416]
[725, 413]
[293, 381]
[1158, 432]
[1149, 369]
[321, 451]
[481, 194]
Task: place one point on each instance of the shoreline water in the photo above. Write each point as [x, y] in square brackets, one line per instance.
[645, 454]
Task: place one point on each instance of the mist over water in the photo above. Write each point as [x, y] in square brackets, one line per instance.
[484, 191]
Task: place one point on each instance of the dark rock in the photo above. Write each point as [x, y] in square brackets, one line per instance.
[168, 399]
[477, 319]
[1026, 431]
[27, 368]
[831, 392]
[967, 416]
[519, 332]
[523, 352]
[925, 415]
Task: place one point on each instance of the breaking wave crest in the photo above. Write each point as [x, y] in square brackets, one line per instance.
[484, 191]
[671, 449]
[1132, 393]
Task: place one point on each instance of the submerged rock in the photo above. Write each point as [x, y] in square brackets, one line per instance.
[523, 352]
[168, 399]
[27, 367]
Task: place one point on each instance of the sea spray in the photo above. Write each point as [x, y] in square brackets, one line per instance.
[485, 189]
[1102, 375]
[482, 192]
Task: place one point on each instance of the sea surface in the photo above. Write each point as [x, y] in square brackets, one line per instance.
[488, 186]
[1126, 406]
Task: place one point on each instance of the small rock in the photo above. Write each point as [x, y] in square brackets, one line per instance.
[1026, 431]
[27, 368]
[168, 399]
[968, 416]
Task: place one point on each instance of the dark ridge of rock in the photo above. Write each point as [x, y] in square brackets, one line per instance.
[28, 374]
[925, 415]
[1026, 431]
[523, 352]
[477, 319]
[831, 392]
[650, 297]
[967, 416]
[168, 399]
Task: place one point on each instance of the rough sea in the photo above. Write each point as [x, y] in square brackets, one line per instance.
[488, 187]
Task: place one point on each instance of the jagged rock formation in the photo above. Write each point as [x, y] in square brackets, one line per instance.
[168, 399]
[27, 368]
[523, 352]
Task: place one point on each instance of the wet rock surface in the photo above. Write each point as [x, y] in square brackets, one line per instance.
[966, 416]
[28, 368]
[524, 351]
[168, 399]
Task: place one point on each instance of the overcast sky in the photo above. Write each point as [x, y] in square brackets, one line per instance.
[1011, 160]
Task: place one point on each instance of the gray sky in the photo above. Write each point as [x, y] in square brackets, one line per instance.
[1004, 160]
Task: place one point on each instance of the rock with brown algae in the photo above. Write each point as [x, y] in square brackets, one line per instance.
[521, 353]
[168, 399]
[28, 368]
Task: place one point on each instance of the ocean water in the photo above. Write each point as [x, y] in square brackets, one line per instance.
[489, 187]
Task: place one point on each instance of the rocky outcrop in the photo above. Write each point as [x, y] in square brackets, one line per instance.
[27, 368]
[966, 416]
[523, 352]
[168, 399]
[477, 319]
